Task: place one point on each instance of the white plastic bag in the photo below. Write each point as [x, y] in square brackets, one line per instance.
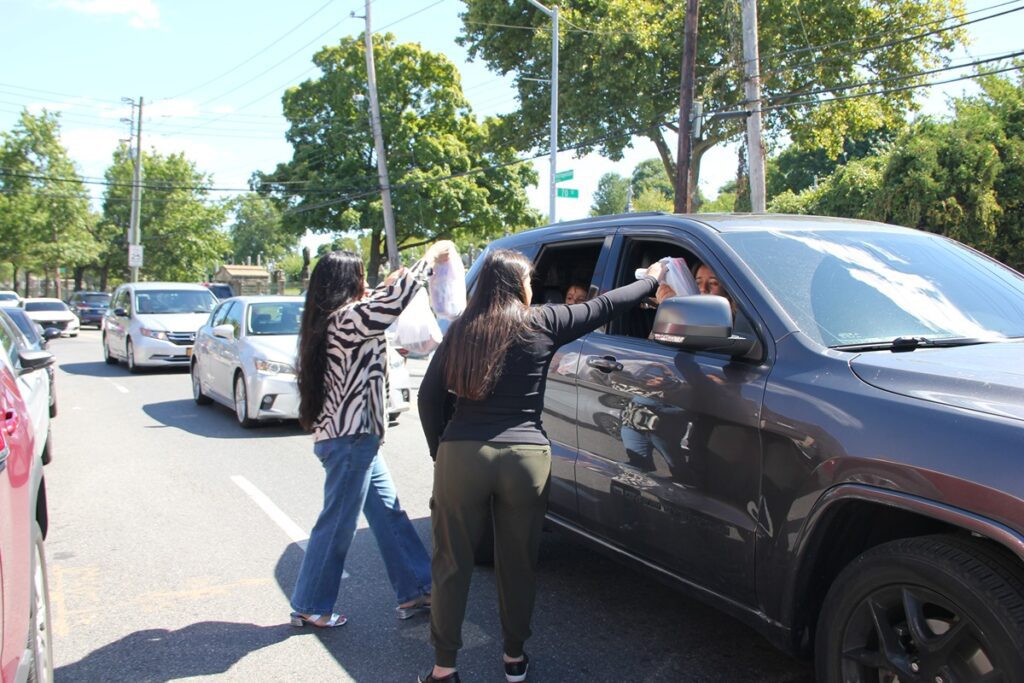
[416, 328]
[676, 275]
[448, 288]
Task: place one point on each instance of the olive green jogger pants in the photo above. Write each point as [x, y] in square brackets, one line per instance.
[470, 479]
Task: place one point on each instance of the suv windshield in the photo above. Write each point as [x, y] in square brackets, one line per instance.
[174, 301]
[845, 288]
[36, 306]
[274, 318]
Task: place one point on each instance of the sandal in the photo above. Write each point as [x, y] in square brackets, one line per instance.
[334, 621]
[420, 604]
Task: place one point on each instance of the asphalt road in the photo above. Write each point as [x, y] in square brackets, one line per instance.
[174, 543]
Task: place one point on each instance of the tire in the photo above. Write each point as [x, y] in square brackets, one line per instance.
[129, 354]
[241, 396]
[107, 357]
[47, 456]
[197, 388]
[53, 401]
[40, 641]
[950, 609]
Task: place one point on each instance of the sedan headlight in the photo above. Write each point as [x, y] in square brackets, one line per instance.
[153, 334]
[273, 367]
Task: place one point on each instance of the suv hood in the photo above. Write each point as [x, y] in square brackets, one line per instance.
[172, 322]
[988, 378]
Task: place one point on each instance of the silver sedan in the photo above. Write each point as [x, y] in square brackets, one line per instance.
[245, 358]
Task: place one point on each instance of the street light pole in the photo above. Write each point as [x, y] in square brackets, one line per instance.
[553, 13]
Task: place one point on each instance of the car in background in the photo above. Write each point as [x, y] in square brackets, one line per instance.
[245, 357]
[399, 384]
[90, 307]
[9, 297]
[52, 313]
[30, 367]
[154, 323]
[221, 290]
[829, 449]
[36, 339]
[26, 648]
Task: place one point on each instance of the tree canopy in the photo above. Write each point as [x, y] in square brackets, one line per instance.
[258, 231]
[436, 150]
[620, 67]
[610, 195]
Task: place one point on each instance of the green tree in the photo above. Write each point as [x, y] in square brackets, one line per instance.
[620, 66]
[180, 225]
[257, 231]
[436, 152]
[610, 195]
[44, 207]
[650, 175]
[651, 199]
[724, 202]
[796, 167]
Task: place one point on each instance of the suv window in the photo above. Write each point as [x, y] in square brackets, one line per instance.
[123, 300]
[562, 265]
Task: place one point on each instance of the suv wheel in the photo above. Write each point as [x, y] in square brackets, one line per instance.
[40, 642]
[937, 608]
[197, 388]
[242, 402]
[129, 354]
[107, 356]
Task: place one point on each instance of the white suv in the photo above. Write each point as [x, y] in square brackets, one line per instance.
[154, 323]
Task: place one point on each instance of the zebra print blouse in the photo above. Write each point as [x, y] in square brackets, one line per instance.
[355, 400]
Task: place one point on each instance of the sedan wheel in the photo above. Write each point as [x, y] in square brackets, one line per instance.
[129, 352]
[40, 641]
[938, 609]
[107, 357]
[197, 388]
[242, 402]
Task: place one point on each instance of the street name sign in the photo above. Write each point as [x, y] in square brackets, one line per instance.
[563, 175]
[567, 192]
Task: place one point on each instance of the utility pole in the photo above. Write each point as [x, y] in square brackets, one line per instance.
[378, 141]
[553, 13]
[134, 228]
[686, 89]
[752, 91]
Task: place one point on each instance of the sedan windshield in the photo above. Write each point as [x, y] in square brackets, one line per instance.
[848, 289]
[277, 317]
[174, 301]
[37, 306]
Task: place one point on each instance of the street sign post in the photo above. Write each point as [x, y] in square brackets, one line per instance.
[563, 175]
[134, 255]
[568, 192]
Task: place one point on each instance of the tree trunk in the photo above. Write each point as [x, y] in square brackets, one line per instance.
[79, 276]
[14, 276]
[57, 284]
[665, 153]
[28, 282]
[104, 272]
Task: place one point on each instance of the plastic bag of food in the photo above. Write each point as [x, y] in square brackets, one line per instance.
[676, 275]
[448, 288]
[416, 328]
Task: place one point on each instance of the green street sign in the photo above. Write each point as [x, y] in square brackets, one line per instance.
[567, 192]
[563, 175]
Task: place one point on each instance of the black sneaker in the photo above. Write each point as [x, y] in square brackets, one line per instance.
[515, 672]
[428, 677]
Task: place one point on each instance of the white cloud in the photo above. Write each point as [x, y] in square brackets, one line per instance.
[142, 14]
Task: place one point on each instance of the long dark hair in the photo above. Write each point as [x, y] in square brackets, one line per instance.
[495, 317]
[337, 280]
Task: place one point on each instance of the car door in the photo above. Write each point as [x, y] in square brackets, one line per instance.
[670, 458]
[33, 386]
[207, 346]
[224, 352]
[117, 325]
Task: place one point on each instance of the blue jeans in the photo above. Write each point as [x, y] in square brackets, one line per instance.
[357, 479]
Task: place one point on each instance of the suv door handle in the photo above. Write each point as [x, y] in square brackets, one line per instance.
[605, 364]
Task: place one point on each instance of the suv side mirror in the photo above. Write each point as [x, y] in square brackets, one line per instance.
[699, 323]
[51, 333]
[120, 312]
[34, 360]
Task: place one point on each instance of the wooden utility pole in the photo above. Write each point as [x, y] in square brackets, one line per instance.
[378, 141]
[136, 209]
[686, 88]
[752, 91]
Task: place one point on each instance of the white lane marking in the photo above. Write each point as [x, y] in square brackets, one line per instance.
[275, 513]
[123, 389]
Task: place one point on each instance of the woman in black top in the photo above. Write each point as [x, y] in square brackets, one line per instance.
[493, 454]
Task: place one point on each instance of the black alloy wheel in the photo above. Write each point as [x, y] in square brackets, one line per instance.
[935, 609]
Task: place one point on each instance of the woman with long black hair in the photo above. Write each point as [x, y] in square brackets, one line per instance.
[493, 454]
[343, 384]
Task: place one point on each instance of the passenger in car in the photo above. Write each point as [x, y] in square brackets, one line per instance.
[576, 294]
[493, 454]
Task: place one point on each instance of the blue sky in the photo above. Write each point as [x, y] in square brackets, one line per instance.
[212, 73]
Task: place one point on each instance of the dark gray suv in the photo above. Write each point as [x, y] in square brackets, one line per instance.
[831, 451]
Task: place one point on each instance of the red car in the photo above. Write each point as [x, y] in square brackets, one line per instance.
[26, 652]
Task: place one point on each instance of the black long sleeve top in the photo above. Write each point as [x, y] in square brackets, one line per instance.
[511, 413]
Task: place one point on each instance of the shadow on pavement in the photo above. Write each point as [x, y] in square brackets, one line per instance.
[204, 649]
[595, 619]
[214, 421]
[101, 369]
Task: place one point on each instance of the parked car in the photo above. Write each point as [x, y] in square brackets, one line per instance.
[26, 651]
[52, 313]
[37, 339]
[154, 323]
[831, 453]
[221, 290]
[32, 368]
[9, 298]
[399, 384]
[90, 307]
